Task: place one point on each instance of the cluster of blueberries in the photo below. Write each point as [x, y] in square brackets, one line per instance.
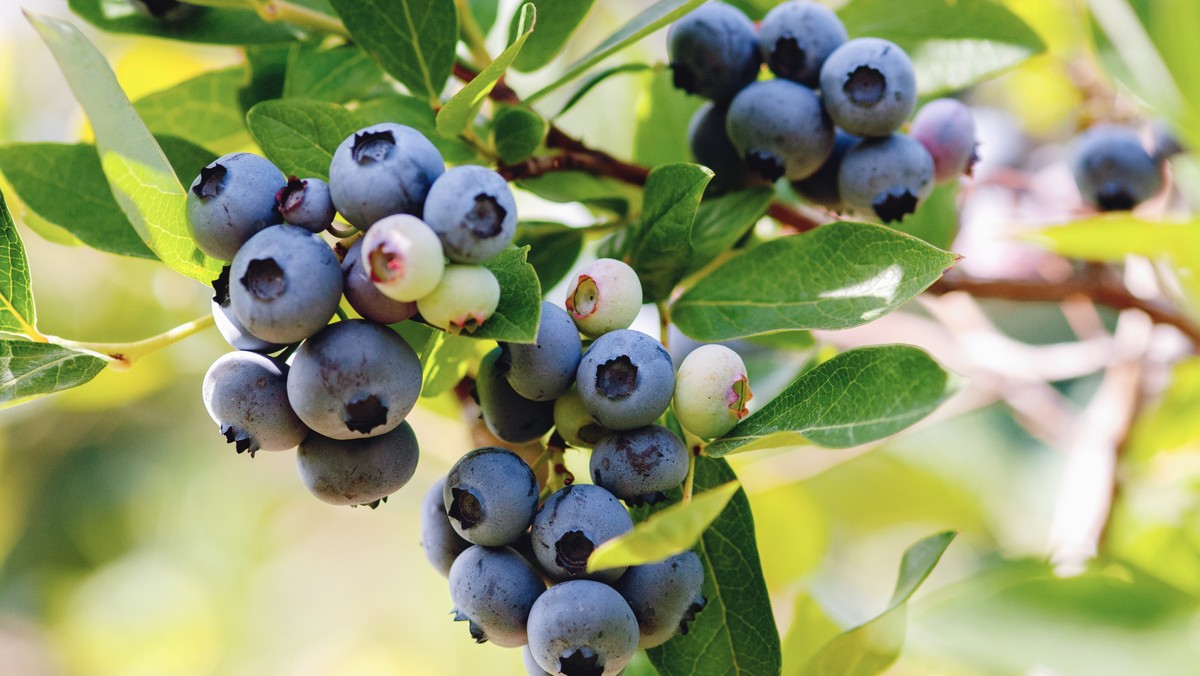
[482, 525]
[1112, 169]
[339, 392]
[828, 121]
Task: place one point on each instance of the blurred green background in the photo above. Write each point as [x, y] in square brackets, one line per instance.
[134, 542]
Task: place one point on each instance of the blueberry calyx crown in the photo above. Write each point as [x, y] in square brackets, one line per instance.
[865, 87]
[264, 279]
[465, 508]
[212, 180]
[476, 632]
[787, 57]
[617, 378]
[291, 195]
[683, 78]
[894, 206]
[220, 287]
[586, 299]
[372, 146]
[572, 550]
[1114, 197]
[580, 662]
[486, 217]
[241, 440]
[764, 164]
[364, 414]
[689, 615]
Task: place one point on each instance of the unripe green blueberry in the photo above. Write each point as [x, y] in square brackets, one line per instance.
[711, 391]
[605, 296]
[403, 257]
[465, 298]
[576, 426]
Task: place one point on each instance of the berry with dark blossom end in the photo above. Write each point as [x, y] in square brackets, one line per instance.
[604, 296]
[711, 391]
[640, 466]
[713, 51]
[947, 130]
[869, 87]
[439, 541]
[354, 379]
[1112, 169]
[494, 590]
[664, 596]
[545, 369]
[796, 37]
[625, 380]
[403, 257]
[822, 187]
[711, 147]
[382, 170]
[506, 413]
[306, 203]
[464, 299]
[571, 524]
[366, 298]
[780, 129]
[285, 284]
[232, 199]
[490, 496]
[887, 176]
[227, 323]
[245, 393]
[358, 471]
[582, 628]
[473, 212]
[572, 421]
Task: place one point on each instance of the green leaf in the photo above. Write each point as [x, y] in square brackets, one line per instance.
[445, 361]
[340, 74]
[553, 249]
[601, 192]
[300, 136]
[665, 533]
[722, 221]
[952, 44]
[557, 19]
[209, 25]
[857, 397]
[413, 40]
[186, 158]
[458, 112]
[649, 20]
[267, 69]
[811, 629]
[517, 132]
[838, 276]
[17, 313]
[34, 369]
[205, 110]
[663, 115]
[659, 248]
[65, 185]
[520, 309]
[737, 626]
[485, 12]
[415, 113]
[596, 78]
[140, 178]
[870, 648]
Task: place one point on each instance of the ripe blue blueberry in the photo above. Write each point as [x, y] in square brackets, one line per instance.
[713, 51]
[506, 413]
[796, 37]
[232, 199]
[886, 176]
[605, 296]
[780, 129]
[358, 471]
[227, 323]
[285, 284]
[664, 596]
[440, 542]
[545, 370]
[625, 380]
[473, 212]
[571, 524]
[382, 170]
[403, 257]
[869, 87]
[822, 187]
[532, 668]
[246, 395]
[490, 496]
[640, 466]
[1112, 170]
[572, 421]
[947, 130]
[711, 391]
[354, 379]
[465, 298]
[494, 590]
[582, 628]
[306, 203]
[711, 147]
[366, 298]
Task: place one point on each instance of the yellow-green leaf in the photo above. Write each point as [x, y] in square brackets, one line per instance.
[454, 117]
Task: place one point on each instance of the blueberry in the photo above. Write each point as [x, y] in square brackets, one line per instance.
[1166, 143]
[473, 212]
[403, 257]
[227, 323]
[246, 395]
[532, 668]
[664, 596]
[604, 296]
[285, 284]
[886, 176]
[306, 203]
[354, 379]
[571, 524]
[711, 147]
[441, 543]
[572, 421]
[640, 466]
[545, 370]
[947, 130]
[494, 590]
[711, 391]
[358, 471]
[463, 300]
[780, 129]
[490, 496]
[869, 87]
[625, 380]
[713, 51]
[508, 415]
[1112, 170]
[382, 170]
[822, 187]
[582, 628]
[366, 298]
[232, 199]
[796, 37]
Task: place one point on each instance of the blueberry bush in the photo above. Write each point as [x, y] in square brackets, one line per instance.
[643, 298]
